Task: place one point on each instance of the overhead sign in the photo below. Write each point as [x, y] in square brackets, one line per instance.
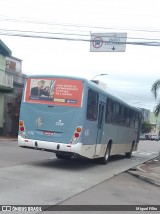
[108, 42]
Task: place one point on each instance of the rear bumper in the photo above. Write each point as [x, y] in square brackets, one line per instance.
[49, 146]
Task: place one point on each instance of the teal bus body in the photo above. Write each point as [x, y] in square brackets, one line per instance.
[76, 117]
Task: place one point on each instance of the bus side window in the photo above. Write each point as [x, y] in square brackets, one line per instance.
[137, 120]
[116, 109]
[122, 115]
[132, 124]
[127, 117]
[92, 105]
[109, 110]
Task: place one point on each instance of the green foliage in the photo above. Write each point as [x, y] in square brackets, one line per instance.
[154, 89]
[146, 127]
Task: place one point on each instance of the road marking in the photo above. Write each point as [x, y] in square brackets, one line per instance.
[147, 153]
[144, 153]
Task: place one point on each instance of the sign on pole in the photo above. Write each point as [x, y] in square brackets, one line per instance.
[108, 42]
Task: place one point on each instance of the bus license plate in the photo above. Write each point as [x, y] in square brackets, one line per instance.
[48, 133]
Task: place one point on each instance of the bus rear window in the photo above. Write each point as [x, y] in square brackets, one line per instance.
[54, 91]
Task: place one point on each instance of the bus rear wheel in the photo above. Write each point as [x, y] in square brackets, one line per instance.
[105, 159]
[62, 156]
[129, 154]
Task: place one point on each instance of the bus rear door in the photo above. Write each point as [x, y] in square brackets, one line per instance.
[100, 125]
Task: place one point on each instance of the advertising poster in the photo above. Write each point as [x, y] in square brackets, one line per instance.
[64, 92]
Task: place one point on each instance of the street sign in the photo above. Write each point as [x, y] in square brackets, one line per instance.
[108, 42]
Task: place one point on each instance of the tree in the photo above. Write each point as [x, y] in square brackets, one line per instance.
[154, 89]
[146, 127]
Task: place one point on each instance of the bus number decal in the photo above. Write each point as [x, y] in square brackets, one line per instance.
[31, 132]
[86, 132]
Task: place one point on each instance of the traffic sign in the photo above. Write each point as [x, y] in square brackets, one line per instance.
[108, 42]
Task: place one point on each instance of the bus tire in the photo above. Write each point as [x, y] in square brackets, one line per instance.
[129, 154]
[105, 159]
[61, 156]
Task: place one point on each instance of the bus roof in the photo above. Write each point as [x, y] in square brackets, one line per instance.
[91, 84]
[56, 76]
[101, 90]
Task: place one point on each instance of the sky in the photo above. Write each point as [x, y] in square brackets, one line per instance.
[53, 37]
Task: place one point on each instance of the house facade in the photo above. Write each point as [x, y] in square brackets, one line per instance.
[11, 84]
[6, 81]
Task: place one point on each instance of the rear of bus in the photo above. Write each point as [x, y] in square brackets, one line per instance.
[51, 116]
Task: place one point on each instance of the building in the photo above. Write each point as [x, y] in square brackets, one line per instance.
[146, 114]
[6, 81]
[11, 83]
[101, 84]
[155, 121]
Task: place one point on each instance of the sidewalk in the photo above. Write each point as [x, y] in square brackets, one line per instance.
[3, 138]
[149, 171]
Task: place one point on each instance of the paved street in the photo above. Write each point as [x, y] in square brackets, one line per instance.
[36, 177]
[122, 189]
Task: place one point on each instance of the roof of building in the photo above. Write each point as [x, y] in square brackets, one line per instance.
[4, 50]
[15, 58]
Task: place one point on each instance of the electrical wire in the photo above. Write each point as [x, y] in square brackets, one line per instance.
[73, 36]
[43, 32]
[139, 102]
[24, 20]
[127, 94]
[143, 43]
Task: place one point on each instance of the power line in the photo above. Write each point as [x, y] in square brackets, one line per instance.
[73, 34]
[142, 40]
[127, 94]
[44, 37]
[24, 20]
[43, 32]
[143, 43]
[130, 85]
[129, 98]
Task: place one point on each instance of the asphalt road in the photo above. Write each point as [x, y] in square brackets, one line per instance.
[37, 177]
[122, 189]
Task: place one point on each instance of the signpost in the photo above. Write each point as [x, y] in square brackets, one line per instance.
[108, 42]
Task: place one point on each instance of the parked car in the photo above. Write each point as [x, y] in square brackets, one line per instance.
[142, 137]
[148, 137]
[154, 137]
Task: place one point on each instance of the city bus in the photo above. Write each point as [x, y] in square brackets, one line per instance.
[72, 116]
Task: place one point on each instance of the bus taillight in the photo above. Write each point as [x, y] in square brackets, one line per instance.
[20, 123]
[76, 135]
[79, 129]
[21, 126]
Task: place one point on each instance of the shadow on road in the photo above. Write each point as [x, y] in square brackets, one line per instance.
[74, 163]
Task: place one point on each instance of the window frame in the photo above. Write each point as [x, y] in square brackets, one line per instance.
[92, 105]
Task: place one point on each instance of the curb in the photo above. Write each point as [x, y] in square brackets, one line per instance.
[146, 178]
[8, 139]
